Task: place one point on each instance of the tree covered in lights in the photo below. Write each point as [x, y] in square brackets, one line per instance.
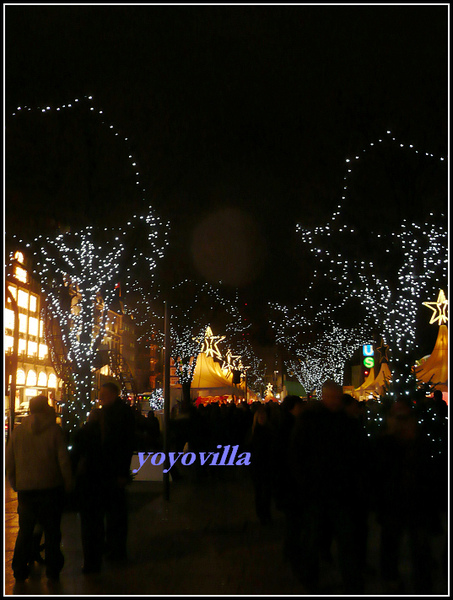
[79, 273]
[193, 307]
[80, 265]
[374, 260]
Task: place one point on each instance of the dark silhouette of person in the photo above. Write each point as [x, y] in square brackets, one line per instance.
[39, 469]
[285, 492]
[261, 447]
[326, 451]
[153, 427]
[90, 494]
[117, 426]
[404, 498]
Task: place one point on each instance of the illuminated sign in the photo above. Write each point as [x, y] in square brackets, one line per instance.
[368, 350]
[368, 361]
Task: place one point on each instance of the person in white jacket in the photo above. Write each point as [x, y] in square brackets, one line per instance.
[38, 468]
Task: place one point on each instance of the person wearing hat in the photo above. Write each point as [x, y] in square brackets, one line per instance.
[38, 468]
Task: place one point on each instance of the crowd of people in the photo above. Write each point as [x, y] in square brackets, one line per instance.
[325, 465]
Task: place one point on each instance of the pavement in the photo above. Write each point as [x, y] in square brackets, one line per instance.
[206, 540]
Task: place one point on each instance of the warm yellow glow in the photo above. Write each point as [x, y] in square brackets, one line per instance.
[9, 342]
[43, 351]
[209, 345]
[439, 308]
[19, 256]
[52, 381]
[9, 318]
[41, 328]
[33, 326]
[22, 299]
[21, 274]
[104, 370]
[22, 347]
[42, 379]
[20, 377]
[32, 349]
[33, 303]
[31, 377]
[13, 290]
[22, 323]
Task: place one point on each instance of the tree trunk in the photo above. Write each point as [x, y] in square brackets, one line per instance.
[186, 402]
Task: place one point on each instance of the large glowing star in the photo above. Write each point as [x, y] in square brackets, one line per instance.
[210, 342]
[439, 308]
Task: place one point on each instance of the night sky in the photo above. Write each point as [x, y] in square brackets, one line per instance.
[240, 118]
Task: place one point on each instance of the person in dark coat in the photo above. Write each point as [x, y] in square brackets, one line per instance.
[261, 446]
[405, 502]
[89, 472]
[153, 428]
[117, 426]
[326, 452]
[285, 491]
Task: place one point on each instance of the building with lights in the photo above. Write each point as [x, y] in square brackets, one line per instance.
[29, 371]
[32, 366]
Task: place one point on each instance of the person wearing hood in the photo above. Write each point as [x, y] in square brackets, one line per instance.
[38, 468]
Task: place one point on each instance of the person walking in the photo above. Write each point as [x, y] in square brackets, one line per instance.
[262, 445]
[326, 453]
[38, 468]
[89, 465]
[117, 425]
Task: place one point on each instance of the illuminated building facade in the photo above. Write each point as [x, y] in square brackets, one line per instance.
[33, 371]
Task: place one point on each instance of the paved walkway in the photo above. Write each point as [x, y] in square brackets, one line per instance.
[205, 541]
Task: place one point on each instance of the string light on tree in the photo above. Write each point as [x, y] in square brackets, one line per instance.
[407, 262]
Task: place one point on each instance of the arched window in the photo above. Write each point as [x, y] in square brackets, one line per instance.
[52, 381]
[20, 377]
[42, 379]
[19, 257]
[31, 378]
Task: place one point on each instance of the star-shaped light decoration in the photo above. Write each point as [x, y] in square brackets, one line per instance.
[209, 343]
[439, 308]
[269, 390]
[383, 351]
[230, 362]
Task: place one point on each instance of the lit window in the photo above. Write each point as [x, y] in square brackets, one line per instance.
[43, 351]
[22, 300]
[42, 379]
[13, 290]
[20, 377]
[22, 346]
[52, 381]
[32, 326]
[32, 350]
[31, 377]
[33, 303]
[41, 328]
[9, 319]
[19, 257]
[22, 323]
[9, 342]
[20, 274]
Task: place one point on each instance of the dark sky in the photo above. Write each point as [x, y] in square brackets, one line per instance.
[240, 118]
